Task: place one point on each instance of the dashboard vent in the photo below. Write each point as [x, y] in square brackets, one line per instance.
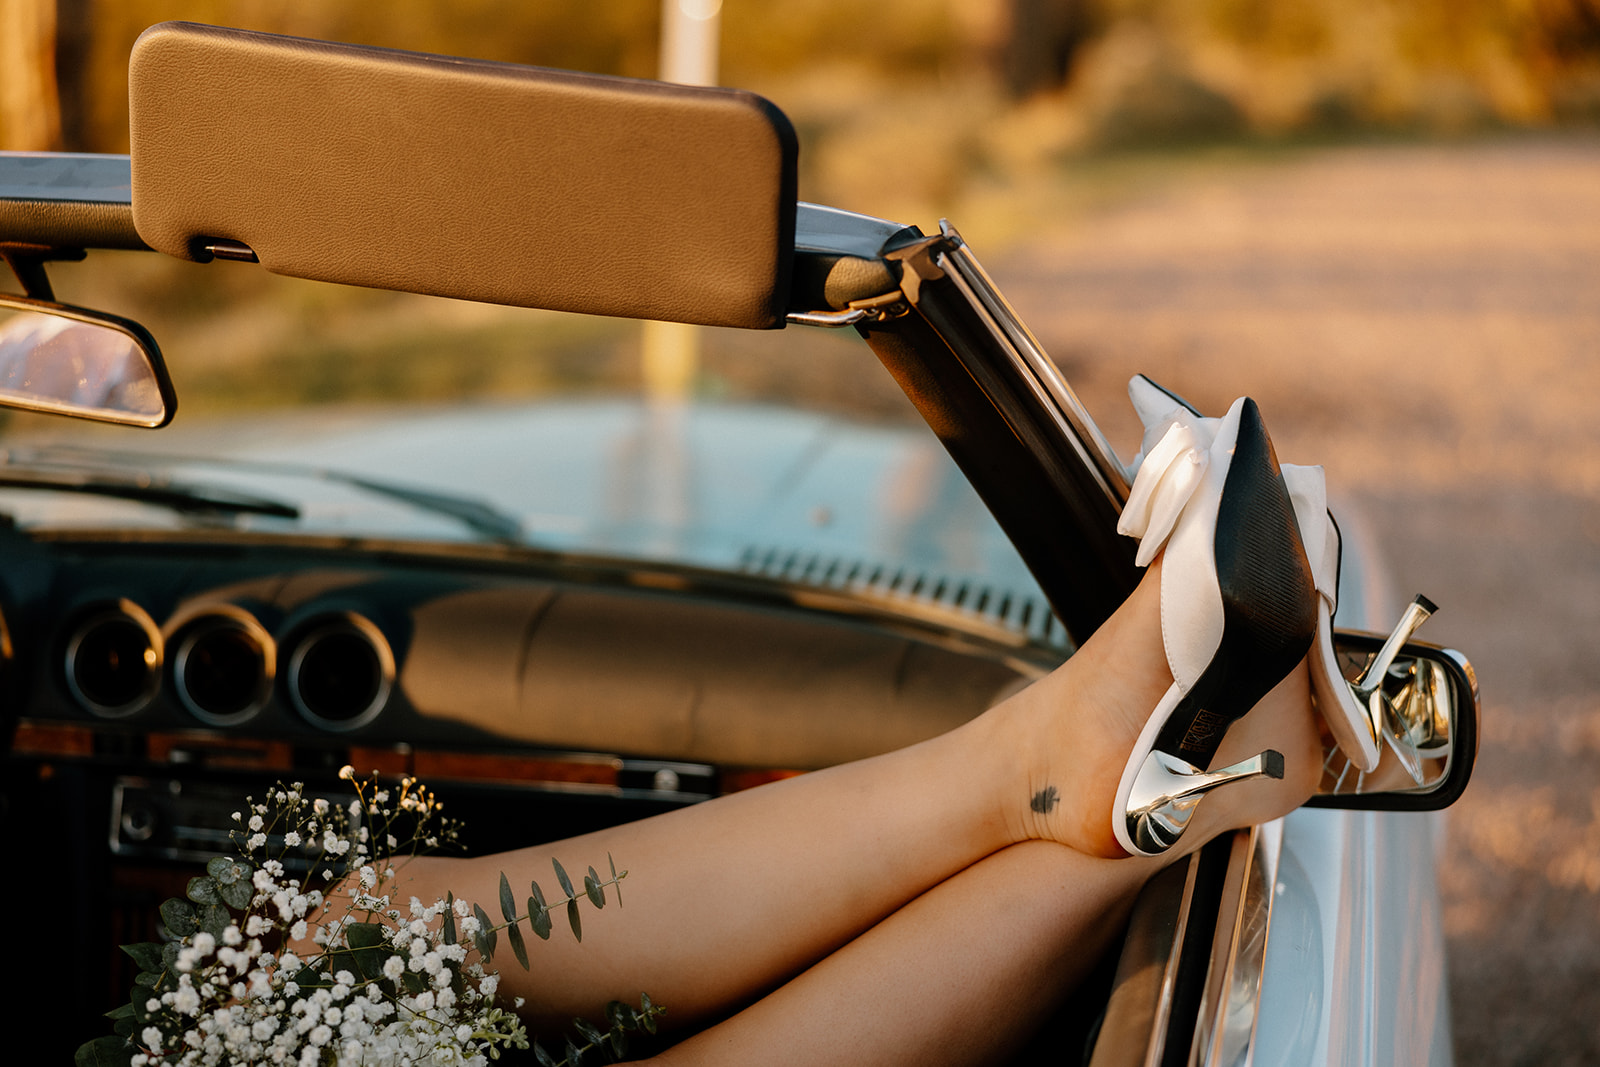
[1029, 616]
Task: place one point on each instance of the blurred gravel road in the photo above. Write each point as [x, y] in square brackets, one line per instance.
[1425, 322]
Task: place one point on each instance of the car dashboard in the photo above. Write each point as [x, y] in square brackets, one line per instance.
[155, 678]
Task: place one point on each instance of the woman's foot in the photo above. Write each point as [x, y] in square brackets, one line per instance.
[1080, 724]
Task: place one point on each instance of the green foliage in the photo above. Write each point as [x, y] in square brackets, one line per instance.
[180, 982]
[103, 1052]
[179, 918]
[611, 1043]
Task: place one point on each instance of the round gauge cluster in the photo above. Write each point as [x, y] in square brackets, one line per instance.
[222, 666]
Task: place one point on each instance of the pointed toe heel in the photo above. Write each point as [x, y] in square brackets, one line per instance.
[1238, 613]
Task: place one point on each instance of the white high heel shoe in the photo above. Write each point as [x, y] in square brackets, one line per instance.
[1238, 604]
[1169, 468]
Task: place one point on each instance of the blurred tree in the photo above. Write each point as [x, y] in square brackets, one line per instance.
[73, 32]
[30, 118]
[1042, 37]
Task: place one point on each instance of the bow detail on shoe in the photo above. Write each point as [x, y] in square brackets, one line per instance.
[1171, 465]
[1168, 477]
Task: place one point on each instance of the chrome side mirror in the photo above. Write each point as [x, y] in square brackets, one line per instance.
[1434, 694]
[88, 364]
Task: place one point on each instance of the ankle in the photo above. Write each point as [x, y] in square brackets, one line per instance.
[1061, 774]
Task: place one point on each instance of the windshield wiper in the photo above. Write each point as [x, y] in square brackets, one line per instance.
[63, 465]
[188, 500]
[475, 515]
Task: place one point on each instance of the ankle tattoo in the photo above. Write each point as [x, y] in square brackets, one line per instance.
[1045, 800]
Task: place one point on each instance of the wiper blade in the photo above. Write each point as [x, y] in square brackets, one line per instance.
[188, 500]
[475, 515]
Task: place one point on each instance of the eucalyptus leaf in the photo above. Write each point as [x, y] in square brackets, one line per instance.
[539, 918]
[591, 886]
[147, 954]
[413, 982]
[561, 876]
[146, 980]
[236, 894]
[589, 1031]
[203, 890]
[179, 917]
[214, 919]
[574, 918]
[364, 935]
[369, 963]
[449, 928]
[544, 1058]
[108, 1051]
[514, 935]
[229, 869]
[125, 1027]
[508, 903]
[484, 939]
[616, 879]
[169, 957]
[648, 1014]
[124, 1011]
[574, 1056]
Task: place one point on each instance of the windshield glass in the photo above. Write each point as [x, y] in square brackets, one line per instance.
[309, 409]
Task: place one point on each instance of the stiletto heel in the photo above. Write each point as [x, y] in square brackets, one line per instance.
[1237, 609]
[1166, 791]
[1386, 719]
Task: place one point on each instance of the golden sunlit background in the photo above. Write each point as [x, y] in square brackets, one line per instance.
[1381, 218]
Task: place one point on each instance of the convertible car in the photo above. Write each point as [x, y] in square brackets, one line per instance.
[568, 613]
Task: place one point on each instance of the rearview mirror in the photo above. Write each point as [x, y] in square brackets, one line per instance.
[1435, 696]
[69, 361]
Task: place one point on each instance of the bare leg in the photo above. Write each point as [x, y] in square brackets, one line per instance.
[730, 898]
[999, 944]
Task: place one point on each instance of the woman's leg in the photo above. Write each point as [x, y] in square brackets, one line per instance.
[730, 898]
[961, 975]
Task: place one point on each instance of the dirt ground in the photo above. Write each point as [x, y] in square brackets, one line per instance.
[1425, 322]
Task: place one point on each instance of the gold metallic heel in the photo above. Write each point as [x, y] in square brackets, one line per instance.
[1167, 790]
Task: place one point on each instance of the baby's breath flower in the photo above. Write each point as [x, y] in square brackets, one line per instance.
[234, 1002]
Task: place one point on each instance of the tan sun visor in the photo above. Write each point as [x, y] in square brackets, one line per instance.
[463, 178]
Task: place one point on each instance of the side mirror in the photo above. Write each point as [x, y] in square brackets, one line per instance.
[69, 361]
[1435, 695]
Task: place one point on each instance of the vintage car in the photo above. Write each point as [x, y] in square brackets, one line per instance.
[568, 613]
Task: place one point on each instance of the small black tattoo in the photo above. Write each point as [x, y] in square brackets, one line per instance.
[1044, 801]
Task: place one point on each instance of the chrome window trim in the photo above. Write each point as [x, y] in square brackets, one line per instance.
[1042, 376]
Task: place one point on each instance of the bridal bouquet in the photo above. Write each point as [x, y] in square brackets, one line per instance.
[295, 951]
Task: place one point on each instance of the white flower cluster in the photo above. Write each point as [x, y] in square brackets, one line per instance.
[398, 994]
